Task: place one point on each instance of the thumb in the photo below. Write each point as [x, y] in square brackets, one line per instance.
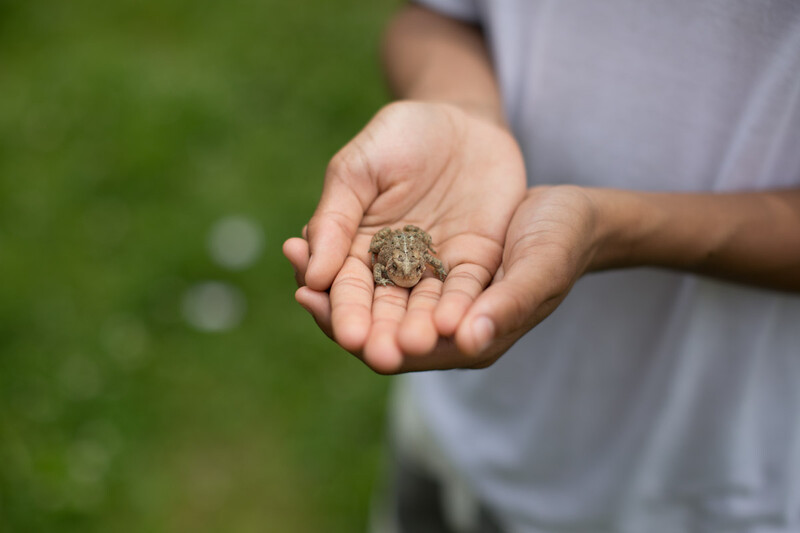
[348, 190]
[509, 307]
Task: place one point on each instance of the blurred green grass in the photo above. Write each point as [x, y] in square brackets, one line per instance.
[127, 129]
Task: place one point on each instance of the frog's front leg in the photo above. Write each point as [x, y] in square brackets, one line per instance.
[380, 275]
[437, 265]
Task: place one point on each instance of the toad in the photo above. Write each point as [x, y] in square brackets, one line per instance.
[399, 257]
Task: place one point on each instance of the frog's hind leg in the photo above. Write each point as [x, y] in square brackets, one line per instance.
[379, 239]
[421, 234]
[437, 266]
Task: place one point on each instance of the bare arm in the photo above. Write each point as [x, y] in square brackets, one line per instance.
[428, 56]
[438, 159]
[748, 237]
[751, 238]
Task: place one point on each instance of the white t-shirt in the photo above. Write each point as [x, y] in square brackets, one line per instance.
[649, 401]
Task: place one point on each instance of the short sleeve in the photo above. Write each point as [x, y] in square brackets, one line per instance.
[466, 10]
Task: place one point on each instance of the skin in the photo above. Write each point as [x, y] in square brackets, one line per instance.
[442, 159]
[438, 179]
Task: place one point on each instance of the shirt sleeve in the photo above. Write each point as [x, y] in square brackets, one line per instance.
[466, 10]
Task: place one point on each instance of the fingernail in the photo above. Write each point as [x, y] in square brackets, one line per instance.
[483, 331]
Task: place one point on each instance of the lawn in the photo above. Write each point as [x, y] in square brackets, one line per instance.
[147, 383]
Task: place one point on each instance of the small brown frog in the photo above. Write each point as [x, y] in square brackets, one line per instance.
[400, 257]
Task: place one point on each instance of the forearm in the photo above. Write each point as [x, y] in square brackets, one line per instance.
[748, 237]
[428, 56]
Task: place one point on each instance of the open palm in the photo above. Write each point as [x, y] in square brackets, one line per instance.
[432, 165]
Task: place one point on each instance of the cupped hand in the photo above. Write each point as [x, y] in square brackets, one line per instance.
[457, 176]
[553, 239]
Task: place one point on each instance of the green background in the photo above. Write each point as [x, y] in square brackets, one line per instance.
[127, 129]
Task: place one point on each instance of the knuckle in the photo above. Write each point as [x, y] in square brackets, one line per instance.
[465, 278]
[392, 110]
[353, 283]
[350, 168]
[393, 300]
[561, 286]
[459, 293]
[517, 309]
[426, 294]
[348, 164]
[338, 165]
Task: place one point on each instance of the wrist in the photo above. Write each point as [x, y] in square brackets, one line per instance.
[488, 112]
[484, 111]
[623, 221]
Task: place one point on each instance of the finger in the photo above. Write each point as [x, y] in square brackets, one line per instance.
[462, 286]
[296, 251]
[444, 356]
[319, 305]
[348, 190]
[417, 334]
[498, 276]
[521, 299]
[381, 352]
[351, 305]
